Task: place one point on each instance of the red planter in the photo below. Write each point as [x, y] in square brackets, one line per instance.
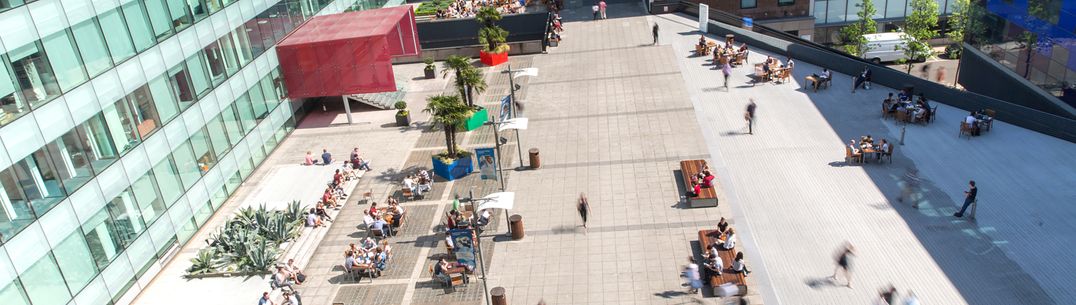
[493, 59]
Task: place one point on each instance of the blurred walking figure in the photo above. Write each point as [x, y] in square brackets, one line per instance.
[911, 299]
[939, 75]
[844, 264]
[584, 208]
[655, 34]
[749, 115]
[691, 272]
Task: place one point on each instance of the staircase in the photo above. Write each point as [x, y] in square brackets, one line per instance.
[382, 100]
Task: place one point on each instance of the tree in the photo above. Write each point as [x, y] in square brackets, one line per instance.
[457, 64]
[475, 83]
[919, 27]
[491, 36]
[852, 34]
[449, 112]
[966, 22]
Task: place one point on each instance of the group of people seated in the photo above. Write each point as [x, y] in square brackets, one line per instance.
[418, 183]
[703, 179]
[773, 69]
[368, 256]
[867, 144]
[978, 121]
[726, 242]
[468, 8]
[916, 107]
[384, 220]
[442, 268]
[456, 219]
[289, 275]
[817, 80]
[726, 53]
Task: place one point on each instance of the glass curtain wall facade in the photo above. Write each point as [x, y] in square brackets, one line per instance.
[831, 14]
[1034, 40]
[124, 124]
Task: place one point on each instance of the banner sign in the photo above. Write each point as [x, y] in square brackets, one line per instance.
[506, 107]
[463, 246]
[487, 163]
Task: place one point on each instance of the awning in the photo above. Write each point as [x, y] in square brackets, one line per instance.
[502, 200]
[349, 53]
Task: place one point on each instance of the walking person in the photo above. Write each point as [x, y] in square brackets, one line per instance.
[939, 75]
[726, 69]
[691, 273]
[655, 29]
[602, 6]
[595, 10]
[844, 264]
[584, 208]
[749, 115]
[969, 197]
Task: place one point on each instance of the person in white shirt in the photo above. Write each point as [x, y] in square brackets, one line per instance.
[970, 119]
[409, 183]
[366, 218]
[691, 272]
[738, 265]
[715, 263]
[730, 240]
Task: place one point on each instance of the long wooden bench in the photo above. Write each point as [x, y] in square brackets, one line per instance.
[708, 196]
[709, 237]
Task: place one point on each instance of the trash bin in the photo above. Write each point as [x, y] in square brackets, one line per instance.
[497, 293]
[516, 222]
[535, 161]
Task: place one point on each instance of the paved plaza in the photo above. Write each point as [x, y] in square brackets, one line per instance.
[612, 116]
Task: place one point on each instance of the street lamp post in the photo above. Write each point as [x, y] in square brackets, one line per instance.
[512, 104]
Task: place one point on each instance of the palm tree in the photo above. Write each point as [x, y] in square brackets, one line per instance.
[450, 112]
[474, 82]
[457, 64]
[490, 35]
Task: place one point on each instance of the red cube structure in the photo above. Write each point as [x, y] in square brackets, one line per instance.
[349, 53]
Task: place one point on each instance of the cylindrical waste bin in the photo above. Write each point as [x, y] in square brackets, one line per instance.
[497, 293]
[535, 161]
[516, 222]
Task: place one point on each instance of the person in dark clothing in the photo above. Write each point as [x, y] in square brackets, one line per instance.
[750, 116]
[969, 197]
[655, 29]
[584, 208]
[844, 264]
[863, 79]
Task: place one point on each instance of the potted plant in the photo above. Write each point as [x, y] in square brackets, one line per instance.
[450, 112]
[403, 116]
[468, 81]
[431, 70]
[492, 37]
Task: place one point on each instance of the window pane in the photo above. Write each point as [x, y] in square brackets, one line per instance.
[163, 99]
[65, 60]
[181, 17]
[214, 5]
[101, 238]
[168, 180]
[242, 46]
[203, 213]
[14, 207]
[94, 134]
[141, 33]
[748, 3]
[143, 113]
[91, 44]
[258, 101]
[895, 8]
[246, 113]
[121, 125]
[231, 124]
[159, 19]
[215, 60]
[187, 165]
[220, 194]
[33, 75]
[197, 71]
[117, 36]
[218, 137]
[44, 284]
[254, 35]
[12, 106]
[246, 167]
[78, 264]
[12, 292]
[202, 151]
[281, 91]
[39, 182]
[197, 9]
[125, 214]
[185, 229]
[149, 199]
[182, 88]
[233, 181]
[71, 160]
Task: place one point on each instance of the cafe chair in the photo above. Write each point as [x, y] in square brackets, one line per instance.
[933, 113]
[901, 116]
[965, 128]
[850, 157]
[889, 153]
[406, 193]
[885, 111]
[447, 284]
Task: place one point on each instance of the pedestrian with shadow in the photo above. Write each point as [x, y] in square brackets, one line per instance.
[844, 264]
[969, 197]
[584, 209]
[749, 116]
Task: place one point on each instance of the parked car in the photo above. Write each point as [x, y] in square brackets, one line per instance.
[888, 47]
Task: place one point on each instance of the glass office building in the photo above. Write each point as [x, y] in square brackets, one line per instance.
[1035, 40]
[830, 15]
[124, 124]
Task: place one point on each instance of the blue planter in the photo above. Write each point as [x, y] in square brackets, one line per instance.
[455, 170]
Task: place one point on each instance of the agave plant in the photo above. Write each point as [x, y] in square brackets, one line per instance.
[206, 261]
[294, 211]
[259, 256]
[244, 215]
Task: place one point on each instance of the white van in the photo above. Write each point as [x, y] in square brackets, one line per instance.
[885, 47]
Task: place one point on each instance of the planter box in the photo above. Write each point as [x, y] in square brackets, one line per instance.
[455, 170]
[430, 73]
[403, 120]
[480, 117]
[493, 59]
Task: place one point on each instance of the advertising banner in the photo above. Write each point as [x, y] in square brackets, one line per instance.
[487, 163]
[463, 242]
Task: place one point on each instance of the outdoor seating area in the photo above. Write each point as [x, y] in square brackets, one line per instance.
[366, 259]
[469, 8]
[726, 53]
[904, 110]
[977, 122]
[723, 265]
[772, 70]
[866, 149]
[699, 183]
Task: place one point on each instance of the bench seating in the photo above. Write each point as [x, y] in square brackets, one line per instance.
[708, 237]
[708, 196]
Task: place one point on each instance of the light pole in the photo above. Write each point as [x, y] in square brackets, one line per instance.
[512, 104]
[517, 124]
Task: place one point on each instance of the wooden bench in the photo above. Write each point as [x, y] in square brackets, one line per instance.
[708, 196]
[709, 237]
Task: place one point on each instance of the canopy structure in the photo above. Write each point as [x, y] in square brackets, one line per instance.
[349, 53]
[501, 200]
